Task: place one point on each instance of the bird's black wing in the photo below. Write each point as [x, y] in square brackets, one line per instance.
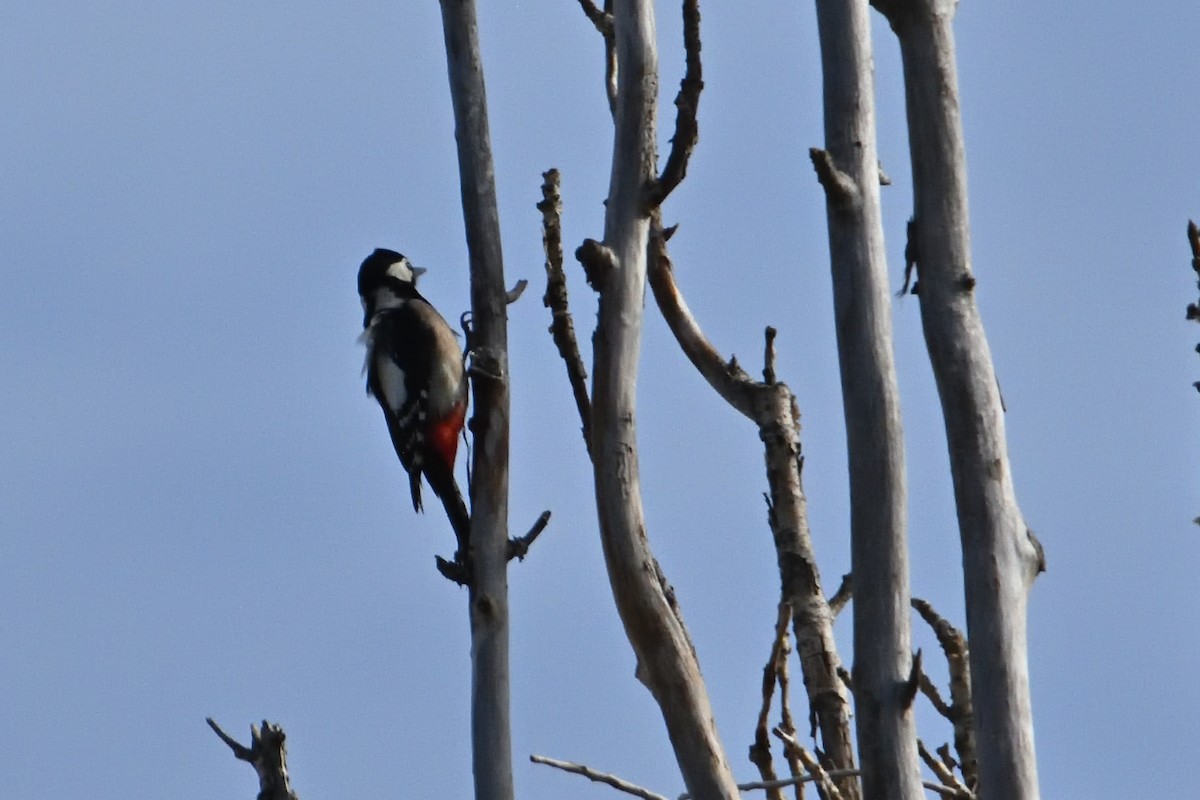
[398, 368]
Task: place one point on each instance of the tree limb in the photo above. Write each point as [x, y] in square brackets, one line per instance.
[267, 753]
[843, 595]
[760, 750]
[687, 105]
[960, 711]
[772, 407]
[519, 548]
[666, 659]
[562, 327]
[603, 22]
[944, 774]
[597, 776]
[815, 768]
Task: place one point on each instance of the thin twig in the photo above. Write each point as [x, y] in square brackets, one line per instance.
[961, 708]
[598, 777]
[240, 751]
[769, 356]
[760, 751]
[687, 104]
[950, 761]
[519, 548]
[797, 780]
[514, 294]
[810, 762]
[603, 22]
[562, 328]
[610, 62]
[948, 778]
[783, 783]
[935, 697]
[786, 721]
[843, 595]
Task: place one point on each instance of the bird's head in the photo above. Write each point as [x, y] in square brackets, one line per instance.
[385, 280]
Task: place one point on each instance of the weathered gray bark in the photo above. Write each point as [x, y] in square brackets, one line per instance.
[488, 581]
[772, 407]
[1000, 556]
[267, 753]
[849, 170]
[666, 660]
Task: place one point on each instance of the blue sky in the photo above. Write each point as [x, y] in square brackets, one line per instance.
[200, 513]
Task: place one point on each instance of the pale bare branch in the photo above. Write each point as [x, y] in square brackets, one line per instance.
[597, 776]
[687, 105]
[945, 775]
[773, 408]
[562, 327]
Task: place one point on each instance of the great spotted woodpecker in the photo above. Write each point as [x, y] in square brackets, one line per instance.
[415, 370]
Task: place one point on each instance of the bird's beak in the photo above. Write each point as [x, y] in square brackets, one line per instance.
[417, 272]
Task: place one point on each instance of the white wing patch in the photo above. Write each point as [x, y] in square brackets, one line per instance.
[391, 382]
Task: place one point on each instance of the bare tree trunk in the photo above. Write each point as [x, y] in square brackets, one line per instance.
[849, 171]
[1001, 557]
[490, 728]
[666, 660]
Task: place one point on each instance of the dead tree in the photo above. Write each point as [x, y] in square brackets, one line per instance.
[616, 269]
[267, 753]
[848, 168]
[1001, 557]
[491, 740]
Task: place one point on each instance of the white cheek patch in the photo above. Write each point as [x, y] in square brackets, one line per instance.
[402, 270]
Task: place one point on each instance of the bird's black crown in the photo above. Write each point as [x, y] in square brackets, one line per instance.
[374, 270]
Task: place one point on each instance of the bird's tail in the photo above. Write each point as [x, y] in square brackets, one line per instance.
[446, 488]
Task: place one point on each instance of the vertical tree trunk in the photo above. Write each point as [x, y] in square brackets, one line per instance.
[1000, 556]
[849, 171]
[490, 729]
[666, 660]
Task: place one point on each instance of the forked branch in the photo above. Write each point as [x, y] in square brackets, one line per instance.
[773, 408]
[267, 753]
[687, 105]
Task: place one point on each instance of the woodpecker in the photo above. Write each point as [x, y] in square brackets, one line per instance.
[415, 370]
